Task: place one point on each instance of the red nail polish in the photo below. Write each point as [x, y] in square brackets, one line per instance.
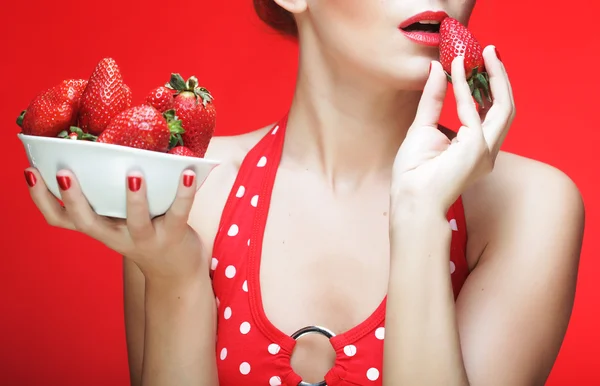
[30, 178]
[134, 183]
[497, 54]
[188, 180]
[64, 182]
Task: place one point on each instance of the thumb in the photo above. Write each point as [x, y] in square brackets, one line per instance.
[432, 99]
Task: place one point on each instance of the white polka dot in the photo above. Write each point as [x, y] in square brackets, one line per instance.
[241, 191]
[245, 368]
[227, 313]
[254, 201]
[245, 286]
[213, 263]
[452, 267]
[453, 225]
[230, 272]
[274, 349]
[233, 230]
[350, 350]
[275, 381]
[380, 333]
[275, 130]
[262, 162]
[245, 328]
[372, 374]
[248, 242]
[223, 354]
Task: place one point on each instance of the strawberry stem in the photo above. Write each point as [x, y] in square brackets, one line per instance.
[178, 84]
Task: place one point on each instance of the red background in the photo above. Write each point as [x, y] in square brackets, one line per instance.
[61, 319]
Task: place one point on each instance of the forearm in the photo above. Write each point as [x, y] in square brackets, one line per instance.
[179, 338]
[422, 344]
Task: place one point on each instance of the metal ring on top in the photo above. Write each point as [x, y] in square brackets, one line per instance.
[312, 330]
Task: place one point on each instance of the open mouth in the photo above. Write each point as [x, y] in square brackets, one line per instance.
[430, 26]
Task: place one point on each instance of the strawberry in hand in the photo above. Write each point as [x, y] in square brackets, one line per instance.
[54, 110]
[194, 107]
[457, 40]
[161, 98]
[104, 97]
[432, 169]
[182, 150]
[143, 127]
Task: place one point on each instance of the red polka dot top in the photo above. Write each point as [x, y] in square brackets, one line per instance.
[251, 351]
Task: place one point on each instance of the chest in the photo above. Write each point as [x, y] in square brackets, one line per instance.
[325, 257]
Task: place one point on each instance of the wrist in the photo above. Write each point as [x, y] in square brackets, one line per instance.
[415, 211]
[172, 285]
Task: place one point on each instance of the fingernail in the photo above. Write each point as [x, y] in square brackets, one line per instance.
[30, 178]
[135, 183]
[64, 182]
[188, 180]
[497, 54]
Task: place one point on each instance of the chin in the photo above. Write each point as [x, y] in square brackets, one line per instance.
[411, 73]
[409, 80]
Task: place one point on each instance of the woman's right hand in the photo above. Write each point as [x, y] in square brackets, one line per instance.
[164, 248]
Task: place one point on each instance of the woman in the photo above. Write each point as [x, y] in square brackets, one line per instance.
[273, 273]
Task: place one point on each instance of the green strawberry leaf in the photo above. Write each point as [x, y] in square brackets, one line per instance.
[485, 85]
[169, 115]
[63, 134]
[477, 96]
[175, 140]
[448, 77]
[472, 85]
[176, 83]
[21, 117]
[474, 72]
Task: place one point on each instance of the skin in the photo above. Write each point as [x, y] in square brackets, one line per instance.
[363, 154]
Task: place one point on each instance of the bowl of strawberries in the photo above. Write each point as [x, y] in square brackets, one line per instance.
[91, 128]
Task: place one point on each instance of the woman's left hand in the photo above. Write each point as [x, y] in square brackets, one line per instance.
[429, 166]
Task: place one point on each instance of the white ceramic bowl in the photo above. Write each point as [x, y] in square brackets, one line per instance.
[102, 169]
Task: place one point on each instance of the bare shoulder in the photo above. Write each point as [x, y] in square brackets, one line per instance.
[519, 193]
[210, 199]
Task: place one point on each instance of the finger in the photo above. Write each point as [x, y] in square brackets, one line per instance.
[497, 120]
[54, 214]
[176, 218]
[139, 222]
[81, 214]
[432, 99]
[465, 106]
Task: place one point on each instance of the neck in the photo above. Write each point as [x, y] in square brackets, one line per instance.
[345, 127]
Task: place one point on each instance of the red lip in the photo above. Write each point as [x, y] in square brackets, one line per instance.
[427, 15]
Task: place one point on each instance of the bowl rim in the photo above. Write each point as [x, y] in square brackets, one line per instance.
[109, 146]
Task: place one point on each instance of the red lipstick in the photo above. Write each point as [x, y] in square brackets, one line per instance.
[424, 28]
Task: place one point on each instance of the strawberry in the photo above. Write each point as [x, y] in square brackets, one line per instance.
[457, 40]
[161, 98]
[195, 108]
[128, 95]
[54, 110]
[104, 97]
[183, 150]
[142, 127]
